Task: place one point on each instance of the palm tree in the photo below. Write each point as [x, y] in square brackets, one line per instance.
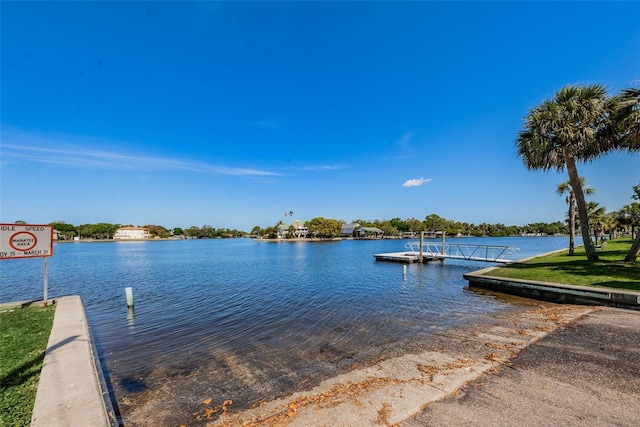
[563, 130]
[610, 222]
[597, 220]
[563, 188]
[633, 213]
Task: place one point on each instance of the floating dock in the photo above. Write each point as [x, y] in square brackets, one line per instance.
[435, 251]
[403, 257]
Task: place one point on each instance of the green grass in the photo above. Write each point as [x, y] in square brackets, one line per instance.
[24, 333]
[559, 267]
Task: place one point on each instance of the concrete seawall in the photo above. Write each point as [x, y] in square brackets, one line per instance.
[71, 391]
[554, 292]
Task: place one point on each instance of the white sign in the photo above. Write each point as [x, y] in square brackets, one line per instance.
[25, 241]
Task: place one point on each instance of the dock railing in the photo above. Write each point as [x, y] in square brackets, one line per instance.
[487, 253]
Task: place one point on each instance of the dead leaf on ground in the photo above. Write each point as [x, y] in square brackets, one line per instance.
[494, 357]
[383, 414]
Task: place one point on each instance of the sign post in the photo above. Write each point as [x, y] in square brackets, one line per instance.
[27, 241]
[46, 281]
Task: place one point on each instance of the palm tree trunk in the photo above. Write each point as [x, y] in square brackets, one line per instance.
[634, 251]
[582, 206]
[572, 220]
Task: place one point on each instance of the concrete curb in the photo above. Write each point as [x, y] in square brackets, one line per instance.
[71, 390]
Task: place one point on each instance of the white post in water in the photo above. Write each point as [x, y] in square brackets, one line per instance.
[442, 250]
[404, 271]
[421, 244]
[129, 294]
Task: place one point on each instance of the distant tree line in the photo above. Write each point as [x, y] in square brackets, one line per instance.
[327, 228]
[317, 227]
[434, 222]
[104, 231]
[208, 232]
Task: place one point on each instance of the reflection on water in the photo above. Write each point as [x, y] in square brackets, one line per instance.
[248, 318]
[131, 318]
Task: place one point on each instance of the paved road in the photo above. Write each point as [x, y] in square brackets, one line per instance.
[586, 374]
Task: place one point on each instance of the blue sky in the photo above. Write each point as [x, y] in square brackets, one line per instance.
[232, 113]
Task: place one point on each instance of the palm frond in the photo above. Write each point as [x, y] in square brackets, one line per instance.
[627, 120]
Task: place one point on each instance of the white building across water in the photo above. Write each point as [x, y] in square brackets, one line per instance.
[130, 233]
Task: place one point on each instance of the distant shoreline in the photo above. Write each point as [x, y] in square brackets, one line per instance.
[114, 240]
[302, 239]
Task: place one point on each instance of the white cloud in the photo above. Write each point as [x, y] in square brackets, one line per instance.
[68, 150]
[321, 168]
[116, 161]
[403, 147]
[415, 182]
[406, 140]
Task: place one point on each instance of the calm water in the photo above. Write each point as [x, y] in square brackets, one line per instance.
[262, 317]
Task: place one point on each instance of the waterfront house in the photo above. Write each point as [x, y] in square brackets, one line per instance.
[348, 229]
[298, 229]
[369, 233]
[131, 233]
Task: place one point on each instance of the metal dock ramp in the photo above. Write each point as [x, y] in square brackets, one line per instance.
[436, 251]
